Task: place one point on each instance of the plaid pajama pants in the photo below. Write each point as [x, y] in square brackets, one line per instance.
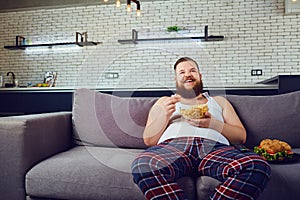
[155, 171]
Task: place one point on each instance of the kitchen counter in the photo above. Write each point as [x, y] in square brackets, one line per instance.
[32, 100]
[71, 89]
[286, 83]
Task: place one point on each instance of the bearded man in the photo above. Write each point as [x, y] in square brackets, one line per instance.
[181, 147]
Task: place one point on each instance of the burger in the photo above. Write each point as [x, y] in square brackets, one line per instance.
[195, 112]
[274, 150]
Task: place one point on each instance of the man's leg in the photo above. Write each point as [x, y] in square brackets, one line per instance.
[244, 175]
[157, 169]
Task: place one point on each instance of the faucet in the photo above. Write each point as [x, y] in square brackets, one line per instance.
[12, 80]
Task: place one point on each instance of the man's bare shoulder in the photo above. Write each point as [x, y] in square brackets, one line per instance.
[161, 99]
[221, 100]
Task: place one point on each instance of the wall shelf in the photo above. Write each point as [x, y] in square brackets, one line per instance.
[81, 44]
[81, 40]
[205, 38]
[209, 38]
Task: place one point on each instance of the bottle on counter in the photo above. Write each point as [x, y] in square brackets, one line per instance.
[16, 83]
[1, 80]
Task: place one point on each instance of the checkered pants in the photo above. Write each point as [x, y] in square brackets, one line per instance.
[155, 171]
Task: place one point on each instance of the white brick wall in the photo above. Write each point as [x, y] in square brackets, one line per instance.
[258, 35]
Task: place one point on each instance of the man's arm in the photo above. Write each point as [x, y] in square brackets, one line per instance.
[233, 128]
[158, 119]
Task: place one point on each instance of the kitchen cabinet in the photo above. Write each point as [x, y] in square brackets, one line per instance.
[285, 83]
[20, 101]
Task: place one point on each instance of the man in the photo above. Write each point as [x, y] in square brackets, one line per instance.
[195, 147]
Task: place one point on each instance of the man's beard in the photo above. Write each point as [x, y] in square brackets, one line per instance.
[192, 93]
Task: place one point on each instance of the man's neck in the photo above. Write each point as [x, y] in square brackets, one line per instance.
[200, 99]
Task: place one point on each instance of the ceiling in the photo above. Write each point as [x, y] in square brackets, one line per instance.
[17, 5]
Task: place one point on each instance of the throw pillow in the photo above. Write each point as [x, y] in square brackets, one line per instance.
[106, 120]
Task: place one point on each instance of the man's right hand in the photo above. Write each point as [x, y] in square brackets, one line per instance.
[158, 119]
[167, 104]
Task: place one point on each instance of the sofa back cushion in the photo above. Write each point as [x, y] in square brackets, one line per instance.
[106, 120]
[274, 117]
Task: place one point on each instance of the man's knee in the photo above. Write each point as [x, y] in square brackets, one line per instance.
[258, 169]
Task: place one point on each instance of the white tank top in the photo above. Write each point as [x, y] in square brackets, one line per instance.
[179, 127]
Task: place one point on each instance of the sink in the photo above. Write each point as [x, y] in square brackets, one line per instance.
[8, 85]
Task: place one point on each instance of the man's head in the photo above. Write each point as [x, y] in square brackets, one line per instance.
[188, 78]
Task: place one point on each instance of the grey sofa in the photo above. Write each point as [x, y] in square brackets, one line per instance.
[86, 154]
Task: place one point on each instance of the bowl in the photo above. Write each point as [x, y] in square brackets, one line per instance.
[194, 112]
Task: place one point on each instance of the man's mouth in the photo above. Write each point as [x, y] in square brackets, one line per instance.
[189, 81]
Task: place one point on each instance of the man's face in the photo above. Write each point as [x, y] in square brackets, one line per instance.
[188, 80]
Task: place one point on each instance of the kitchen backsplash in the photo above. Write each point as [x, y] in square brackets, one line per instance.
[258, 35]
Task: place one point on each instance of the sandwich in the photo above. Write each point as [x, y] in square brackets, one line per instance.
[274, 150]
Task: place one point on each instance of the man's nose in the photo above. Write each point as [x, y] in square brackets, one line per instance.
[188, 73]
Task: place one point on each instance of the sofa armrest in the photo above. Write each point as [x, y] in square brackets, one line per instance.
[26, 140]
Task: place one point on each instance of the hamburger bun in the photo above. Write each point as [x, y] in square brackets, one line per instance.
[274, 150]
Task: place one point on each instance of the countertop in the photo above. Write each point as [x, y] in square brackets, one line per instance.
[19, 101]
[71, 89]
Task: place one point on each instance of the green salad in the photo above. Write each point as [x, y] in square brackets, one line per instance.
[270, 156]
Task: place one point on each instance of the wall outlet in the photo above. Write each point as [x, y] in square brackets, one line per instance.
[111, 75]
[256, 72]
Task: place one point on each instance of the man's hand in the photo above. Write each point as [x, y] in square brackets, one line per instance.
[202, 123]
[167, 105]
[158, 119]
[208, 122]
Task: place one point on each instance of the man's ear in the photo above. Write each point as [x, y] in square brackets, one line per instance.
[175, 77]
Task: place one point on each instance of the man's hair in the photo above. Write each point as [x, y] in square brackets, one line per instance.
[183, 59]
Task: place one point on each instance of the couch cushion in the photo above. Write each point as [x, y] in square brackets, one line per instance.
[275, 117]
[205, 187]
[85, 173]
[106, 120]
[284, 182]
[90, 173]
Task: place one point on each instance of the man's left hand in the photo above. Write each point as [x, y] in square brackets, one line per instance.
[202, 123]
